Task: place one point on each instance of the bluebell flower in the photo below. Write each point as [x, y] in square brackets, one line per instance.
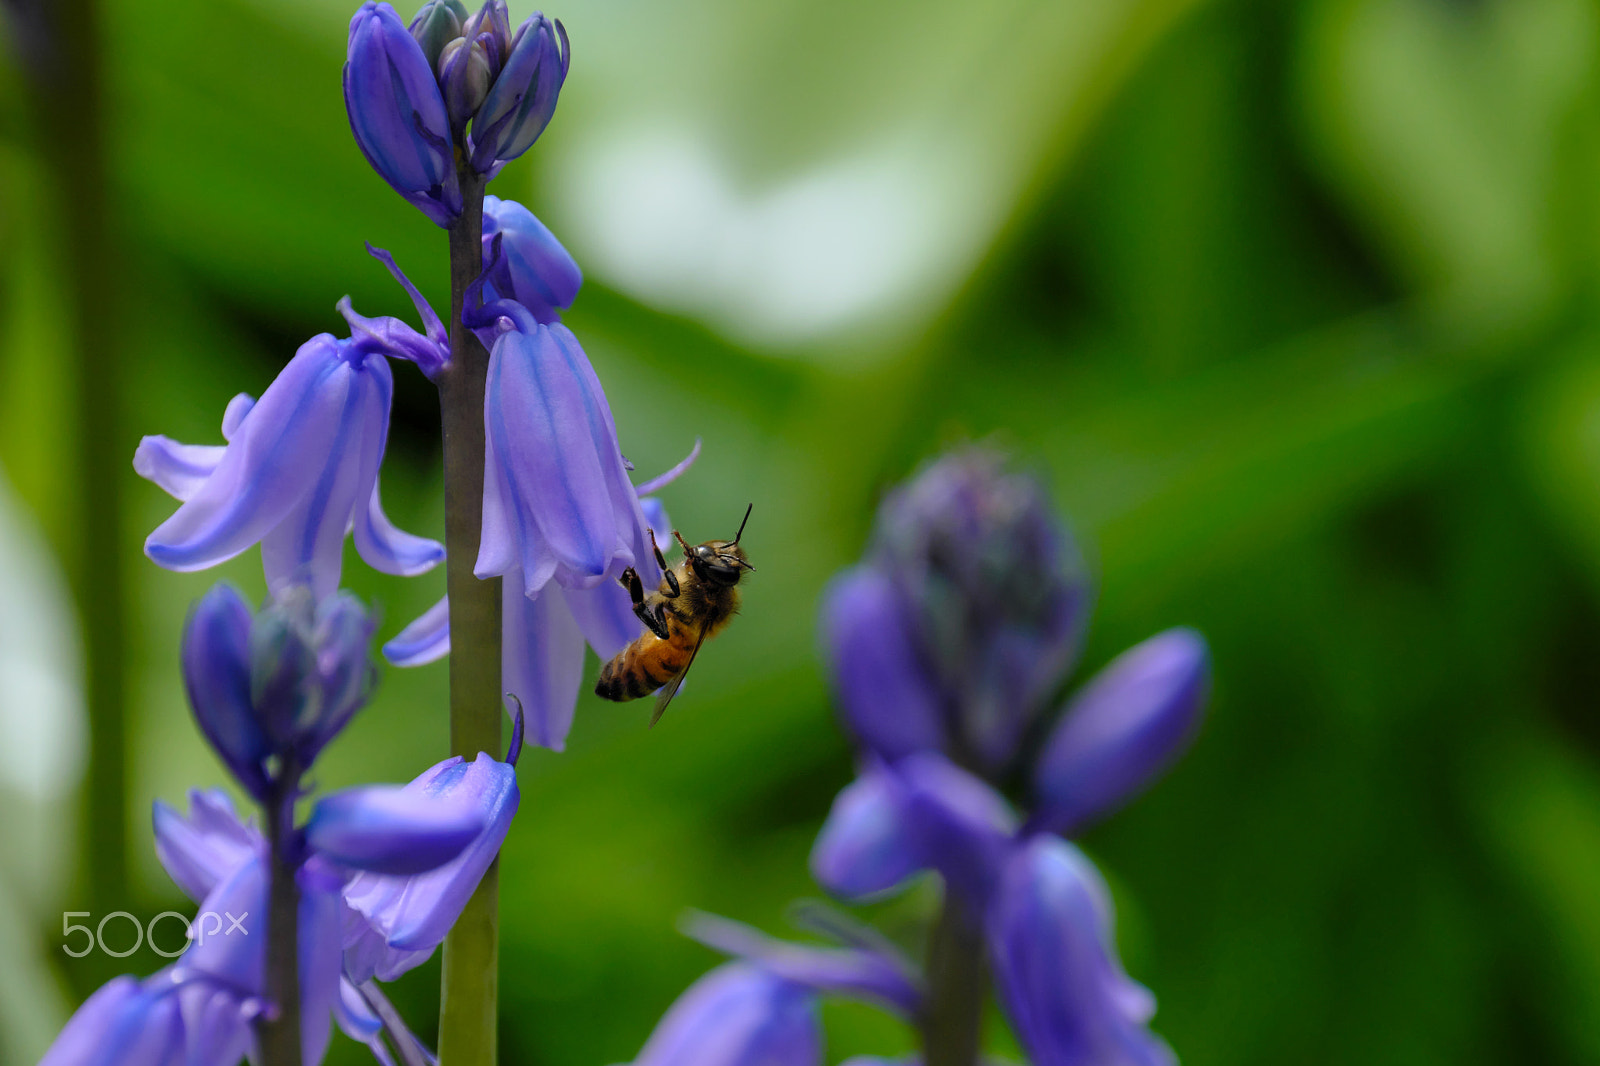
[1056, 965]
[543, 635]
[269, 690]
[963, 617]
[299, 471]
[450, 82]
[1121, 730]
[738, 1015]
[533, 268]
[561, 518]
[386, 872]
[398, 115]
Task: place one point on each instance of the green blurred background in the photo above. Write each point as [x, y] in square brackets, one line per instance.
[1293, 303]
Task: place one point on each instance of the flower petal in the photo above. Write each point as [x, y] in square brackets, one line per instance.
[423, 641]
[661, 481]
[922, 813]
[876, 977]
[958, 824]
[216, 676]
[122, 1024]
[541, 661]
[523, 98]
[234, 414]
[549, 432]
[1122, 729]
[204, 849]
[307, 546]
[534, 269]
[1056, 965]
[604, 615]
[738, 1015]
[267, 470]
[180, 469]
[413, 914]
[889, 701]
[389, 829]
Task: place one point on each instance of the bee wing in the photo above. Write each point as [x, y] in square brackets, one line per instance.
[670, 689]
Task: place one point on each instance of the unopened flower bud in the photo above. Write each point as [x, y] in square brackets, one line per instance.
[977, 606]
[491, 24]
[397, 112]
[523, 98]
[279, 684]
[437, 24]
[464, 75]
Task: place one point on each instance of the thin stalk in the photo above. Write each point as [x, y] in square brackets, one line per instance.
[469, 986]
[280, 1036]
[58, 43]
[952, 1021]
[406, 1046]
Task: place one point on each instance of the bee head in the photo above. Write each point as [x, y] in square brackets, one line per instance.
[722, 562]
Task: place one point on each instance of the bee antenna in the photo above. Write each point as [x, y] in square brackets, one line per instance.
[747, 511]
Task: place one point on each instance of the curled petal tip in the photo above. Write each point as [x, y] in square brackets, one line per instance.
[514, 749]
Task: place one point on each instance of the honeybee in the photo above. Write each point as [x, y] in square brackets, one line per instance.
[695, 601]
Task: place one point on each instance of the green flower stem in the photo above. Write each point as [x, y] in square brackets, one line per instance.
[952, 1022]
[469, 987]
[280, 1033]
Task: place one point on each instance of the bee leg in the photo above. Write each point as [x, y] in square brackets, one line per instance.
[653, 615]
[666, 572]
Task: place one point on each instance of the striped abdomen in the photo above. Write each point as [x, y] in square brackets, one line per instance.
[645, 665]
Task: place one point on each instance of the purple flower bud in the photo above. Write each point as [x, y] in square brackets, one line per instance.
[993, 598]
[492, 24]
[523, 98]
[299, 471]
[465, 75]
[1056, 965]
[888, 697]
[437, 23]
[738, 1015]
[216, 674]
[310, 670]
[1127, 725]
[282, 683]
[398, 114]
[533, 269]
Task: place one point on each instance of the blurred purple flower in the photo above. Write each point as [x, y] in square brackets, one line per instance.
[299, 471]
[398, 114]
[1121, 730]
[738, 1015]
[1056, 964]
[871, 971]
[963, 617]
